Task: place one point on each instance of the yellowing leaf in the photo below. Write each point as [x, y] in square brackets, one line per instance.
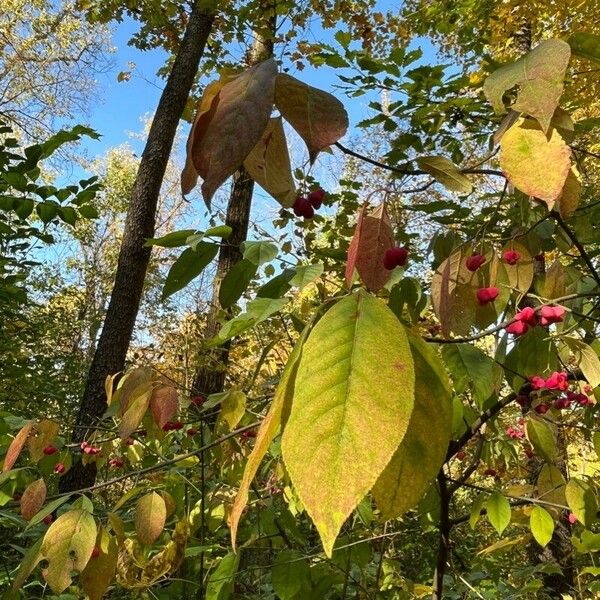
[581, 499]
[534, 164]
[519, 275]
[373, 236]
[417, 460]
[42, 434]
[568, 200]
[541, 437]
[339, 438]
[586, 358]
[33, 499]
[540, 76]
[278, 413]
[446, 172]
[163, 404]
[550, 485]
[128, 386]
[238, 117]
[67, 546]
[541, 524]
[100, 570]
[319, 118]
[136, 409]
[233, 408]
[269, 164]
[150, 517]
[505, 544]
[16, 446]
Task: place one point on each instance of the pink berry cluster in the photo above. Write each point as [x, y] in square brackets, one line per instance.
[395, 257]
[558, 381]
[529, 317]
[475, 261]
[172, 426]
[116, 463]
[305, 206]
[487, 295]
[87, 448]
[515, 433]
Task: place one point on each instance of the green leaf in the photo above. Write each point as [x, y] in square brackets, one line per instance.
[222, 231]
[581, 499]
[305, 274]
[417, 460]
[585, 45]
[233, 407]
[541, 524]
[290, 576]
[541, 437]
[596, 442]
[476, 509]
[188, 266]
[498, 512]
[470, 366]
[27, 564]
[445, 172]
[46, 510]
[236, 281]
[259, 252]
[150, 517]
[67, 546]
[172, 239]
[221, 581]
[99, 572]
[539, 76]
[343, 402]
[586, 358]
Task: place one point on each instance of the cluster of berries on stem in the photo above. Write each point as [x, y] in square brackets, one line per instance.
[305, 206]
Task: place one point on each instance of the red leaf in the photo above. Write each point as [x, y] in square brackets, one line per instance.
[16, 446]
[164, 404]
[234, 124]
[33, 499]
[372, 237]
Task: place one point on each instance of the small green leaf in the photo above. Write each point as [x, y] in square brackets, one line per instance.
[188, 266]
[445, 172]
[541, 524]
[259, 252]
[498, 512]
[221, 581]
[171, 240]
[476, 509]
[581, 499]
[541, 437]
[236, 281]
[290, 576]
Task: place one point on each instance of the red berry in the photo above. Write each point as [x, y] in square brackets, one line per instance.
[511, 257]
[116, 463]
[487, 295]
[541, 409]
[129, 441]
[142, 433]
[395, 257]
[517, 328]
[303, 208]
[316, 198]
[551, 314]
[557, 381]
[461, 455]
[17, 496]
[84, 445]
[490, 472]
[59, 468]
[198, 400]
[572, 518]
[95, 552]
[537, 382]
[49, 450]
[48, 519]
[475, 261]
[191, 431]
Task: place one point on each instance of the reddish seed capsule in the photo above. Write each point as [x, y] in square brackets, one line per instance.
[95, 552]
[522, 399]
[511, 257]
[49, 450]
[490, 472]
[84, 445]
[395, 257]
[198, 400]
[316, 198]
[475, 261]
[17, 496]
[517, 328]
[142, 433]
[115, 463]
[59, 468]
[191, 431]
[541, 409]
[529, 453]
[551, 314]
[129, 441]
[48, 519]
[303, 208]
[572, 519]
[487, 295]
[461, 454]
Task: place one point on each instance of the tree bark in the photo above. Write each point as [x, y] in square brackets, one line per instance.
[210, 375]
[111, 351]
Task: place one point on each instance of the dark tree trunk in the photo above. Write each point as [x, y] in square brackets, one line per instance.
[123, 307]
[210, 375]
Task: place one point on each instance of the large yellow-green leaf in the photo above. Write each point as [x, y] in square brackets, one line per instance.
[29, 561]
[353, 399]
[67, 546]
[238, 117]
[550, 485]
[535, 164]
[136, 409]
[33, 499]
[539, 76]
[586, 358]
[585, 45]
[541, 437]
[269, 164]
[423, 450]
[319, 118]
[150, 517]
[278, 413]
[498, 511]
[373, 236]
[453, 294]
[233, 408]
[581, 499]
[570, 194]
[446, 172]
[99, 572]
[541, 524]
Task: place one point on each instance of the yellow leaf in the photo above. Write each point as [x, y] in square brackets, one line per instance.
[33, 499]
[100, 570]
[42, 434]
[150, 517]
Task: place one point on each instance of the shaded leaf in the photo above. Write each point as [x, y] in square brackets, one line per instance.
[100, 570]
[16, 446]
[27, 565]
[221, 580]
[163, 404]
[188, 266]
[236, 282]
[585, 45]
[541, 437]
[498, 512]
[290, 576]
[33, 499]
[136, 409]
[445, 172]
[550, 485]
[318, 117]
[269, 164]
[586, 358]
[581, 499]
[233, 407]
[341, 404]
[568, 201]
[373, 236]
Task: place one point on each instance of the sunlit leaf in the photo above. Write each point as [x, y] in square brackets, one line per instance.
[150, 517]
[446, 172]
[498, 511]
[541, 524]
